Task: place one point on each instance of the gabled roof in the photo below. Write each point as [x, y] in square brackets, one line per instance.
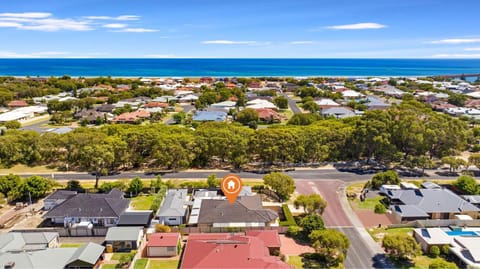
[123, 233]
[135, 218]
[269, 237]
[173, 204]
[110, 205]
[16, 241]
[88, 253]
[245, 209]
[61, 194]
[163, 240]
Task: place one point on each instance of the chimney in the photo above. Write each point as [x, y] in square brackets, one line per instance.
[9, 265]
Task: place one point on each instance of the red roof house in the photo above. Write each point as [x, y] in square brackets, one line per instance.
[155, 105]
[269, 237]
[230, 251]
[163, 245]
[17, 103]
[132, 117]
[268, 115]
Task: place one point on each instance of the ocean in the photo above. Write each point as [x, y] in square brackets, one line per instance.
[237, 67]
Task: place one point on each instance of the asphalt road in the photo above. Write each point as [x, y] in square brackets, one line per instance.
[360, 256]
[292, 104]
[37, 127]
[309, 174]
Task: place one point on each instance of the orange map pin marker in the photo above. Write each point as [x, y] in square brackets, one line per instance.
[231, 187]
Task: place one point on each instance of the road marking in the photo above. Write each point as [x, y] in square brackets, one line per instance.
[316, 190]
[311, 183]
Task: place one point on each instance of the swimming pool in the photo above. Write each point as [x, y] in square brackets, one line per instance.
[462, 233]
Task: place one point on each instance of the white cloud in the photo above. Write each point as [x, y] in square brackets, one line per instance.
[118, 18]
[44, 54]
[137, 30]
[28, 15]
[232, 42]
[472, 49]
[456, 55]
[41, 22]
[456, 41]
[302, 42]
[114, 25]
[357, 26]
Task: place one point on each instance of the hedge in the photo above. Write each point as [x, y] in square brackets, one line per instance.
[289, 220]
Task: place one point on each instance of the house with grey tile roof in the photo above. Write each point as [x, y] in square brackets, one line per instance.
[338, 112]
[56, 198]
[408, 205]
[87, 256]
[174, 209]
[247, 211]
[102, 209]
[135, 218]
[38, 250]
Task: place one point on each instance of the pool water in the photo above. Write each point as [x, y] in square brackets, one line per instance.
[462, 233]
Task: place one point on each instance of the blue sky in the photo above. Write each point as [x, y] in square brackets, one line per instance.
[239, 29]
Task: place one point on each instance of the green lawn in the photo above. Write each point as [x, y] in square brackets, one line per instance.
[295, 261]
[71, 245]
[117, 256]
[378, 233]
[140, 264]
[109, 266]
[368, 203]
[163, 264]
[142, 202]
[20, 168]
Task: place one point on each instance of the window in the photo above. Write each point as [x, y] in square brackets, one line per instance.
[171, 249]
[172, 219]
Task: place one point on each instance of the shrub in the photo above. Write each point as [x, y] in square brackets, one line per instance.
[380, 209]
[445, 249]
[289, 220]
[434, 251]
[160, 228]
[293, 231]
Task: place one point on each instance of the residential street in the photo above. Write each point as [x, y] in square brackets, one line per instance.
[306, 173]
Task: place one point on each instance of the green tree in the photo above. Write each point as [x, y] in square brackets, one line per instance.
[135, 186]
[280, 183]
[401, 246]
[466, 184]
[74, 185]
[332, 246]
[247, 115]
[453, 162]
[97, 158]
[313, 203]
[310, 223]
[380, 209]
[281, 102]
[213, 181]
[33, 187]
[388, 177]
[311, 106]
[8, 183]
[457, 99]
[179, 117]
[12, 124]
[442, 264]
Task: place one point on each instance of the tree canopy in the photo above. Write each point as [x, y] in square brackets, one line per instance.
[281, 184]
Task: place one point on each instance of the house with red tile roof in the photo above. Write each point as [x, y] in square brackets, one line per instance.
[163, 245]
[17, 103]
[269, 237]
[228, 251]
[132, 117]
[156, 105]
[268, 115]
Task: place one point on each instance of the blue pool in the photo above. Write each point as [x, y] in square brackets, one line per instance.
[462, 233]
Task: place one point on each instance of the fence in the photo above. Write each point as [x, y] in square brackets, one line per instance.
[429, 223]
[189, 230]
[67, 232]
